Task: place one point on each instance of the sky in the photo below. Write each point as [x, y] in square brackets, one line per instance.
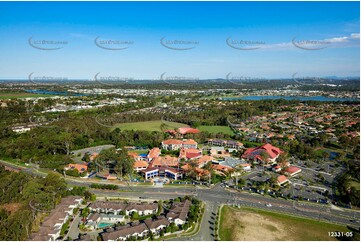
[145, 40]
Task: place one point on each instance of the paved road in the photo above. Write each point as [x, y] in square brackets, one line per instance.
[218, 195]
[95, 149]
[73, 230]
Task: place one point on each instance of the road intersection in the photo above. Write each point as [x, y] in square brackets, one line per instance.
[217, 195]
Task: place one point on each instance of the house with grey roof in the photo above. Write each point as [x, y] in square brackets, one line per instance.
[125, 232]
[51, 226]
[156, 225]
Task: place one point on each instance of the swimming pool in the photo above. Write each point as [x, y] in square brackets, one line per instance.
[104, 225]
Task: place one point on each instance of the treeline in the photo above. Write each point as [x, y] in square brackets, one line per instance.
[104, 186]
[22, 196]
[347, 184]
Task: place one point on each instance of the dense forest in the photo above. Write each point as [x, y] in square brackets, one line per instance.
[22, 197]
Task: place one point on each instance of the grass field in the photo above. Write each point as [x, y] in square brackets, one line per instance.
[21, 95]
[150, 125]
[254, 224]
[216, 129]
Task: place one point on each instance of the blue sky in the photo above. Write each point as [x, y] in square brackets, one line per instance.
[271, 26]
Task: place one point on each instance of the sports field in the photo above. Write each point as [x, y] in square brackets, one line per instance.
[216, 129]
[157, 125]
[255, 224]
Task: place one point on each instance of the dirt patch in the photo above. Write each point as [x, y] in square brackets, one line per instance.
[252, 224]
[248, 226]
[11, 207]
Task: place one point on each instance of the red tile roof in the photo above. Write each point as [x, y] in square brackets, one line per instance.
[190, 153]
[189, 142]
[222, 168]
[172, 142]
[133, 154]
[292, 169]
[282, 179]
[79, 167]
[165, 161]
[140, 164]
[187, 130]
[153, 153]
[205, 159]
[256, 152]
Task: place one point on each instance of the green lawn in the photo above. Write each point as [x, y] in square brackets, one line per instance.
[140, 151]
[21, 95]
[216, 129]
[239, 224]
[150, 125]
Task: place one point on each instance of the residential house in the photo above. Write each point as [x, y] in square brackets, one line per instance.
[81, 168]
[277, 168]
[190, 154]
[51, 226]
[292, 171]
[225, 143]
[141, 208]
[106, 175]
[189, 144]
[108, 207]
[282, 180]
[171, 144]
[178, 213]
[156, 225]
[125, 232]
[221, 169]
[204, 160]
[95, 219]
[116, 208]
[219, 153]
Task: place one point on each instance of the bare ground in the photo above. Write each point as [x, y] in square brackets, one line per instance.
[249, 226]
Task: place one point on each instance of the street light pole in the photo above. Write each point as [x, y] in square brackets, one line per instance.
[237, 183]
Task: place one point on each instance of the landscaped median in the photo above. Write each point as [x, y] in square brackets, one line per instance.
[256, 224]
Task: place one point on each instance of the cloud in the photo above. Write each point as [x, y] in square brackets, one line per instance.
[344, 39]
[353, 40]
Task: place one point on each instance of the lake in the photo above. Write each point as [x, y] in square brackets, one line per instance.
[313, 98]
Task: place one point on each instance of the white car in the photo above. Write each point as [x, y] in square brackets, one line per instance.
[268, 205]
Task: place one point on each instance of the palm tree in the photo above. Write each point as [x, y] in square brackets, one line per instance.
[192, 170]
[123, 164]
[264, 156]
[282, 159]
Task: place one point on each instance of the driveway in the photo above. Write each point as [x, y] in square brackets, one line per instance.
[74, 230]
